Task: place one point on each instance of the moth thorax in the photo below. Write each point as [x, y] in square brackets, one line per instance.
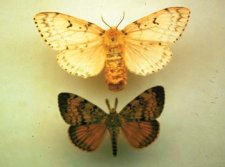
[115, 70]
[113, 120]
[113, 37]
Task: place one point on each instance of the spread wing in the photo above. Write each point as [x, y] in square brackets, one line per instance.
[144, 57]
[87, 120]
[87, 138]
[140, 134]
[79, 42]
[147, 39]
[138, 117]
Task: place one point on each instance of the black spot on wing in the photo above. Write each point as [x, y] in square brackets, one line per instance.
[101, 33]
[167, 9]
[124, 32]
[89, 24]
[70, 24]
[154, 21]
[137, 23]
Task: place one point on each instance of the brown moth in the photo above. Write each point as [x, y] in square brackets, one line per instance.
[85, 49]
[89, 123]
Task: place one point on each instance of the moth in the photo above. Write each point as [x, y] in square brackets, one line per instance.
[85, 49]
[89, 123]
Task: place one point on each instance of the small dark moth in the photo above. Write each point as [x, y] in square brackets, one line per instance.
[137, 120]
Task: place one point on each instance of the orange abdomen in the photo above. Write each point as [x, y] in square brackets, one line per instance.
[115, 70]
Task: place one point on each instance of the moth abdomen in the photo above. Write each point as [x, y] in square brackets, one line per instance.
[114, 144]
[114, 134]
[115, 71]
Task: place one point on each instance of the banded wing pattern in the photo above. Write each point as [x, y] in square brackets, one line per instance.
[138, 117]
[86, 119]
[137, 120]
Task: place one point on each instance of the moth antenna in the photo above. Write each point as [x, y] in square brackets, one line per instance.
[108, 104]
[105, 22]
[116, 103]
[121, 20]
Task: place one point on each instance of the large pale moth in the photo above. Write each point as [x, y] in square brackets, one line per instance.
[85, 49]
[89, 123]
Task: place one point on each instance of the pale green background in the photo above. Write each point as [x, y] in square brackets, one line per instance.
[192, 123]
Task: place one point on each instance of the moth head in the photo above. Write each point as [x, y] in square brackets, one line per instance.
[112, 110]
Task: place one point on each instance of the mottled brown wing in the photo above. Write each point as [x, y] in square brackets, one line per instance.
[138, 122]
[147, 106]
[140, 134]
[87, 120]
[76, 110]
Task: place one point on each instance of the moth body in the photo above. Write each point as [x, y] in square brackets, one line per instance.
[115, 69]
[113, 123]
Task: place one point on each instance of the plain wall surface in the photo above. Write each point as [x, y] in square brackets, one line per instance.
[192, 123]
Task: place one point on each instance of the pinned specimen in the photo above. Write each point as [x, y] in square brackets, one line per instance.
[85, 49]
[89, 123]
